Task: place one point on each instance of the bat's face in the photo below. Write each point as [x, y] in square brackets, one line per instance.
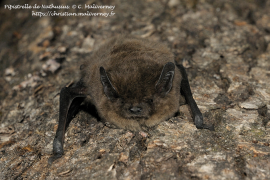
[133, 109]
[135, 97]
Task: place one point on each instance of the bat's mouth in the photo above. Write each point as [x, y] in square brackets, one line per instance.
[137, 113]
[137, 117]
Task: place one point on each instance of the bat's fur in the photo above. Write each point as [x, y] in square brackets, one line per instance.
[133, 67]
[132, 83]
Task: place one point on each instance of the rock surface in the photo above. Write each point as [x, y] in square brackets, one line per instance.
[225, 46]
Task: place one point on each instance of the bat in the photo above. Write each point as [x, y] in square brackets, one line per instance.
[133, 83]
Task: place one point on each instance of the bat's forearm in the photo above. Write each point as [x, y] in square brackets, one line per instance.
[68, 108]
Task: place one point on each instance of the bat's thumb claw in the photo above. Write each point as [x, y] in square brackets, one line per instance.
[198, 120]
[199, 123]
[53, 158]
[211, 127]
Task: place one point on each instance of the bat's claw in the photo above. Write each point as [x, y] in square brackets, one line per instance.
[53, 158]
[211, 127]
[204, 126]
[199, 123]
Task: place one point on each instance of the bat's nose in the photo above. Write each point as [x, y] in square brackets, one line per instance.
[135, 109]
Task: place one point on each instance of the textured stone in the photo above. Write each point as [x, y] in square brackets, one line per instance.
[223, 45]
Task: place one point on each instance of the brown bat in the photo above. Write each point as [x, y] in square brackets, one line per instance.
[133, 83]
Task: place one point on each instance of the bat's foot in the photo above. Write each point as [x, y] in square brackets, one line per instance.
[198, 120]
[53, 158]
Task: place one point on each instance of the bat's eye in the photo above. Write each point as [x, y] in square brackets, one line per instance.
[135, 109]
[122, 102]
[149, 101]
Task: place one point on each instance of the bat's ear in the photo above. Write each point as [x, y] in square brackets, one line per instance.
[108, 88]
[164, 83]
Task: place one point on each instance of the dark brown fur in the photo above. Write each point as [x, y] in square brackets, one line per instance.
[133, 67]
